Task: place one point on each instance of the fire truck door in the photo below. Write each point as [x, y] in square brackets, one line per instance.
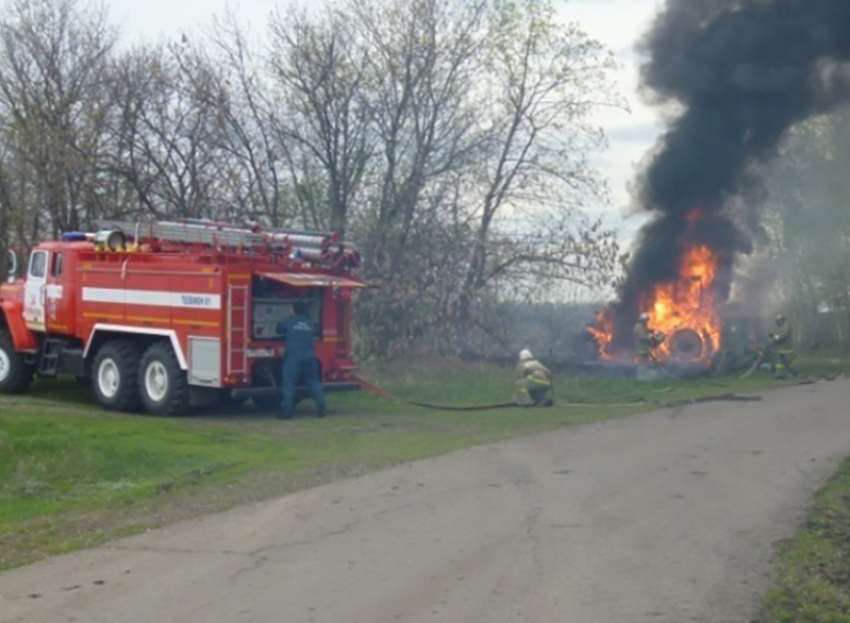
[34, 291]
[58, 306]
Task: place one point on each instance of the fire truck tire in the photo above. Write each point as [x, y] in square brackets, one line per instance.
[162, 383]
[15, 374]
[115, 376]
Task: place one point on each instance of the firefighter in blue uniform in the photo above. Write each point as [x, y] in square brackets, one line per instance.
[299, 362]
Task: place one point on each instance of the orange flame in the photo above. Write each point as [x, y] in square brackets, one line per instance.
[603, 332]
[687, 304]
[685, 311]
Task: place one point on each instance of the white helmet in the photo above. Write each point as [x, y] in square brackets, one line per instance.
[643, 317]
[525, 355]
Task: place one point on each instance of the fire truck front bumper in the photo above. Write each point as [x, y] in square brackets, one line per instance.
[258, 392]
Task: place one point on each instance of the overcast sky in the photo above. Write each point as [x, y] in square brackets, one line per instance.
[616, 23]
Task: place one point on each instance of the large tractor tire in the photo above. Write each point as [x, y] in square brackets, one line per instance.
[15, 374]
[115, 376]
[686, 345]
[162, 383]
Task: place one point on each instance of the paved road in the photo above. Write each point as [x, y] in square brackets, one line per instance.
[665, 517]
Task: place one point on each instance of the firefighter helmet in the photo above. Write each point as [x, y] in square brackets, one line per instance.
[525, 355]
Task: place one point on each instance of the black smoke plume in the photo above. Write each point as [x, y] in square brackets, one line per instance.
[737, 75]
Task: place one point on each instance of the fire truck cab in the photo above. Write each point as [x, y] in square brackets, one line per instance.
[165, 316]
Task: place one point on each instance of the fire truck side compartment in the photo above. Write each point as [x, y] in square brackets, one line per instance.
[204, 360]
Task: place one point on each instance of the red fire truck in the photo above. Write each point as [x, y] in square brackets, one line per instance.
[163, 316]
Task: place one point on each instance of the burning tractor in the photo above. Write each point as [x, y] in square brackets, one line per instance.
[683, 315]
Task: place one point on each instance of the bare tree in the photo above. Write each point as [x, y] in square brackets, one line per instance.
[319, 68]
[422, 73]
[481, 112]
[168, 138]
[54, 98]
[417, 78]
[546, 79]
[808, 231]
[450, 137]
[252, 127]
[7, 203]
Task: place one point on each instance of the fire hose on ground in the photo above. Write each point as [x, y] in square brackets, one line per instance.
[387, 395]
[756, 364]
[382, 393]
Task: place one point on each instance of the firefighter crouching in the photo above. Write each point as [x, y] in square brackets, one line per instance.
[299, 362]
[646, 341]
[781, 348]
[533, 382]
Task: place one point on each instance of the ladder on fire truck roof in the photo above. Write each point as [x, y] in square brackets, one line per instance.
[193, 231]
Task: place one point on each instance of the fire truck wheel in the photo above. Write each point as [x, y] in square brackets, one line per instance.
[115, 376]
[15, 374]
[163, 384]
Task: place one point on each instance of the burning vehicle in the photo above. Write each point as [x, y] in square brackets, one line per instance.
[683, 311]
[737, 77]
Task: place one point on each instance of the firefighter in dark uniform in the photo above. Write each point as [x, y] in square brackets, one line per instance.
[299, 362]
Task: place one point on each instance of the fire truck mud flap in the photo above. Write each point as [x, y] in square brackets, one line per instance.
[21, 335]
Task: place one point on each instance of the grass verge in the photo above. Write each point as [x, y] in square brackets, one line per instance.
[813, 569]
[72, 475]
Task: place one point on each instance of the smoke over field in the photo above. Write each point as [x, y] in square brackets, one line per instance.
[735, 75]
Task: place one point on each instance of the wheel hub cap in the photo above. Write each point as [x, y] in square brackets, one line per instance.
[5, 365]
[108, 378]
[156, 381]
